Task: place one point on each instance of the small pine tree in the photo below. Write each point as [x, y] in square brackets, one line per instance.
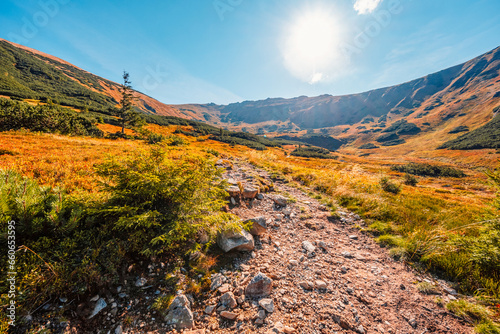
[126, 113]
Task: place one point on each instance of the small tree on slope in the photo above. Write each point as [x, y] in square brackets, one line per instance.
[126, 113]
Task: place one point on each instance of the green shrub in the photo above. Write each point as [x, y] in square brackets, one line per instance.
[389, 187]
[77, 245]
[410, 180]
[428, 170]
[312, 152]
[44, 118]
[155, 138]
[487, 136]
[161, 203]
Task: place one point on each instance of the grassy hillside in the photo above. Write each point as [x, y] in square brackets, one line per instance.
[28, 77]
[487, 136]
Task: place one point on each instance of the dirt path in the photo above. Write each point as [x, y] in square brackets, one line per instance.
[326, 277]
[344, 283]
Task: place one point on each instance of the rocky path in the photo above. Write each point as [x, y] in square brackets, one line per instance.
[299, 270]
[326, 276]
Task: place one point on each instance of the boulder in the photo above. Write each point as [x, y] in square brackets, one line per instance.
[235, 240]
[259, 225]
[250, 192]
[259, 286]
[179, 313]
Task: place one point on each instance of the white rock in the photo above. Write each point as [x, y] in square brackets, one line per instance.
[267, 304]
[308, 246]
[99, 306]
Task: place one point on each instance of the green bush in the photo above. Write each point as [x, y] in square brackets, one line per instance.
[410, 180]
[428, 170]
[162, 203]
[151, 205]
[44, 118]
[312, 152]
[388, 186]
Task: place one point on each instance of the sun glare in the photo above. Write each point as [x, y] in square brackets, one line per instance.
[311, 49]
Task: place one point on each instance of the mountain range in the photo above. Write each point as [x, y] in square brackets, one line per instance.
[449, 103]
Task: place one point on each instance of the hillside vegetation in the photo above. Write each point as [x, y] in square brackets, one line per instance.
[45, 118]
[123, 220]
[487, 136]
[29, 77]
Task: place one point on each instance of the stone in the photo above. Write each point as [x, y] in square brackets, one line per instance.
[179, 313]
[217, 281]
[250, 192]
[119, 330]
[259, 286]
[267, 304]
[280, 200]
[260, 197]
[99, 306]
[228, 315]
[228, 300]
[259, 225]
[95, 298]
[306, 285]
[294, 262]
[360, 329]
[235, 240]
[321, 285]
[347, 255]
[141, 282]
[239, 291]
[225, 288]
[308, 246]
[288, 330]
[210, 309]
[233, 191]
[261, 314]
[353, 237]
[233, 201]
[232, 181]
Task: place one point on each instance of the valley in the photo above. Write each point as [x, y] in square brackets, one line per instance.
[368, 213]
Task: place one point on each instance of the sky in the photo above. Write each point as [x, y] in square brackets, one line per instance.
[225, 51]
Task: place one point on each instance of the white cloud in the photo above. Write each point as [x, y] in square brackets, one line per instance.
[366, 6]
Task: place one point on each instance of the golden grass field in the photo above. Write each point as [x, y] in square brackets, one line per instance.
[418, 222]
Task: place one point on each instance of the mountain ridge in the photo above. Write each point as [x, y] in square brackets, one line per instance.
[462, 95]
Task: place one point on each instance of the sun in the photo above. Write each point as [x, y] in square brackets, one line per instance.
[311, 50]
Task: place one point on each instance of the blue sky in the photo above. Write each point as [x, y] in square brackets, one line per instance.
[222, 51]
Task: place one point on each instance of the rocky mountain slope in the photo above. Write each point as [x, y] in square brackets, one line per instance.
[448, 88]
